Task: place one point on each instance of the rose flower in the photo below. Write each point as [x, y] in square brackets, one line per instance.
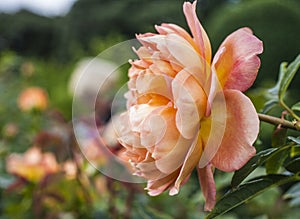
[33, 165]
[186, 112]
[33, 98]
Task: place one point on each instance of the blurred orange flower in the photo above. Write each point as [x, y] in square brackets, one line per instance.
[186, 110]
[33, 165]
[33, 98]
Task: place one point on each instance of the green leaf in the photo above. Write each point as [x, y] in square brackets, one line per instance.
[295, 151]
[294, 165]
[294, 194]
[274, 92]
[269, 105]
[248, 191]
[287, 76]
[279, 137]
[274, 163]
[252, 164]
[296, 140]
[296, 107]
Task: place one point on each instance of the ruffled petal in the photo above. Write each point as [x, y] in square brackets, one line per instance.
[199, 34]
[208, 186]
[236, 61]
[242, 127]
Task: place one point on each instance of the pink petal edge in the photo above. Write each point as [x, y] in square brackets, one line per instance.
[236, 61]
[242, 127]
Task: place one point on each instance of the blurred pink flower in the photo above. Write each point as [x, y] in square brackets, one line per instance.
[33, 98]
[177, 94]
[33, 165]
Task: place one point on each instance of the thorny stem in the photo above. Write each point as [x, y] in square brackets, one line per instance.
[277, 121]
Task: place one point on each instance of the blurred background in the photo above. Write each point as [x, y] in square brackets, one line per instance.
[43, 44]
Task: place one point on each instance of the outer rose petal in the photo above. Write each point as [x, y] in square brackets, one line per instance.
[236, 61]
[173, 28]
[190, 162]
[208, 186]
[199, 34]
[242, 127]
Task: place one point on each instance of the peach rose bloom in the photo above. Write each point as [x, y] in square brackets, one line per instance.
[33, 98]
[186, 112]
[33, 165]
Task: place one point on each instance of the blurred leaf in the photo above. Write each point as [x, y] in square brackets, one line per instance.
[274, 92]
[6, 180]
[296, 107]
[294, 194]
[286, 75]
[248, 191]
[151, 213]
[274, 163]
[296, 140]
[295, 202]
[294, 165]
[295, 151]
[270, 105]
[279, 137]
[252, 164]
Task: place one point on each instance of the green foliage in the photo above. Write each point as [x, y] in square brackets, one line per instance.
[249, 190]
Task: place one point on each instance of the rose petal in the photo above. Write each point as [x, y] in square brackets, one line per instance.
[190, 100]
[154, 84]
[173, 28]
[236, 61]
[190, 162]
[174, 158]
[156, 187]
[213, 128]
[208, 186]
[182, 51]
[199, 34]
[156, 128]
[242, 127]
[148, 169]
[170, 134]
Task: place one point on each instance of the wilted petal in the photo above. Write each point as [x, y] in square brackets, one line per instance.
[242, 127]
[236, 61]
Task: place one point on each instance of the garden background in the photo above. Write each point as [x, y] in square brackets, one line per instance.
[38, 51]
